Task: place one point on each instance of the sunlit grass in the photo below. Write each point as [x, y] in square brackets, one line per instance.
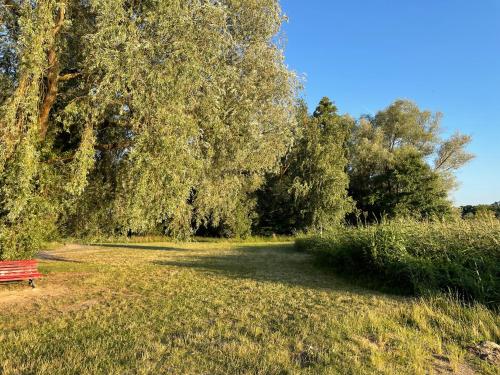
[224, 308]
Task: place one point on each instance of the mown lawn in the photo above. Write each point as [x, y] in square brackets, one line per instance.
[225, 308]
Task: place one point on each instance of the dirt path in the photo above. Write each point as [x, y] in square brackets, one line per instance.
[21, 293]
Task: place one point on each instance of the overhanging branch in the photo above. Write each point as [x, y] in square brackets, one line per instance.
[100, 147]
[13, 6]
[68, 76]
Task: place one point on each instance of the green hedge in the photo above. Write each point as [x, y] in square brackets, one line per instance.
[461, 256]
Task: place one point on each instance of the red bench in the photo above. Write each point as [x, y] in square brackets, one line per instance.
[19, 270]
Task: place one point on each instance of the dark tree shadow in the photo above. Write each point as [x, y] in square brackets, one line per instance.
[139, 247]
[48, 256]
[277, 263]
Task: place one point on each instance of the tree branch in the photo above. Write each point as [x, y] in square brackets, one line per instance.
[68, 76]
[14, 7]
[101, 147]
[60, 20]
[52, 90]
[52, 76]
[441, 161]
[61, 159]
[113, 146]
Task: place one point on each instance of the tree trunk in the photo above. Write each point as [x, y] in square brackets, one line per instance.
[51, 95]
[52, 77]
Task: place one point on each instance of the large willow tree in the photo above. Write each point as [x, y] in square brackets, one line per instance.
[137, 115]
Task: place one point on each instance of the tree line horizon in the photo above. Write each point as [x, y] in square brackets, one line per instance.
[137, 117]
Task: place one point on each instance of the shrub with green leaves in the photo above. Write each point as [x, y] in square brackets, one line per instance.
[461, 256]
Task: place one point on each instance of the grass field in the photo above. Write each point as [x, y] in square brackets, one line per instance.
[225, 308]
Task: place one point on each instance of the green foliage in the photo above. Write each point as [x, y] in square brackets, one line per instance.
[415, 257]
[310, 191]
[388, 165]
[123, 117]
[408, 188]
[140, 116]
[481, 210]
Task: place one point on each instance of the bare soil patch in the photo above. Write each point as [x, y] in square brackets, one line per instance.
[442, 365]
[22, 293]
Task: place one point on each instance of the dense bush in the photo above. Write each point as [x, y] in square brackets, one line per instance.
[462, 256]
[18, 245]
[23, 238]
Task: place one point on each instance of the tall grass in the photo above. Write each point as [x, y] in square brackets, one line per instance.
[461, 256]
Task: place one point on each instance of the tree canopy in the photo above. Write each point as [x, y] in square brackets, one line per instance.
[310, 190]
[121, 115]
[399, 163]
[180, 117]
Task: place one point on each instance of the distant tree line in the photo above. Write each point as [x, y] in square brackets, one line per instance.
[180, 117]
[491, 210]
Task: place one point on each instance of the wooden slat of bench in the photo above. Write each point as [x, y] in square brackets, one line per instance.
[21, 276]
[31, 269]
[29, 272]
[4, 273]
[34, 272]
[3, 270]
[20, 263]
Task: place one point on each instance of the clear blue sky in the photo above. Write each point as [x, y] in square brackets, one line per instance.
[443, 54]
